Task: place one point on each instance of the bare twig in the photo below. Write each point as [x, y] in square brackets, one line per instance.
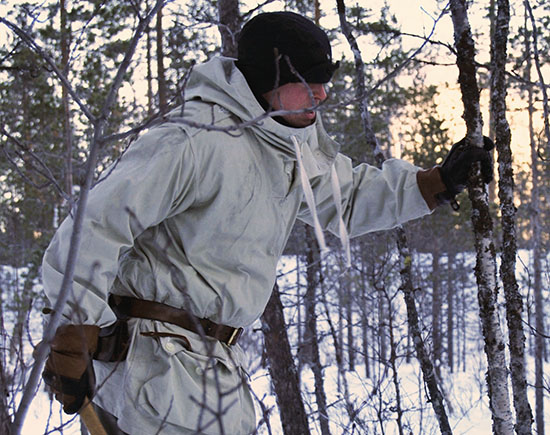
[259, 7]
[32, 44]
[66, 286]
[435, 395]
[45, 172]
[542, 85]
[403, 64]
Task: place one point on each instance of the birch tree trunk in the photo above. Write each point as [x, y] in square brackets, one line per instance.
[374, 151]
[485, 271]
[514, 300]
[282, 369]
[537, 280]
[536, 245]
[339, 350]
[395, 377]
[382, 324]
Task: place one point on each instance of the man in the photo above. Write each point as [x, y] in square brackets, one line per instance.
[181, 241]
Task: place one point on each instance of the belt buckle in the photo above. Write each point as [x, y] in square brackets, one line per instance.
[235, 335]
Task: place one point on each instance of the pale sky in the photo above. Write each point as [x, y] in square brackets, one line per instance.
[416, 17]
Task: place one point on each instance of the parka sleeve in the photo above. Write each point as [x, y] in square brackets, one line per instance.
[153, 180]
[372, 199]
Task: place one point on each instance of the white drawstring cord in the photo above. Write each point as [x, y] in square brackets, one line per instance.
[308, 193]
[310, 200]
[342, 230]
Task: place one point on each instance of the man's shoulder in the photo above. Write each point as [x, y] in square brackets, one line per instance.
[200, 117]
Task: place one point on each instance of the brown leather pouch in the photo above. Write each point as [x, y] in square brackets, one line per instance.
[113, 342]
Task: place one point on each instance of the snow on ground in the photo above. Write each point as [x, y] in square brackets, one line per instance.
[464, 390]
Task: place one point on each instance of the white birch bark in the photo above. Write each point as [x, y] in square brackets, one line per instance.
[536, 246]
[485, 271]
[513, 298]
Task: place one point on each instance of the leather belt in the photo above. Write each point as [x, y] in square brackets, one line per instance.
[126, 307]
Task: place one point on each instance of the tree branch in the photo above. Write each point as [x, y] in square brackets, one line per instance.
[66, 286]
[436, 398]
[542, 85]
[33, 45]
[486, 273]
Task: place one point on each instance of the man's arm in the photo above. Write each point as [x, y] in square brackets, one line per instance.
[379, 199]
[372, 199]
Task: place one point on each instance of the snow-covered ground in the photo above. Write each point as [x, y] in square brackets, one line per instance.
[374, 402]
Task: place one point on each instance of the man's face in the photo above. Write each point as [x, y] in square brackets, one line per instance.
[297, 96]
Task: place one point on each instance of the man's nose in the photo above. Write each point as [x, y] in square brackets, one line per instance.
[319, 91]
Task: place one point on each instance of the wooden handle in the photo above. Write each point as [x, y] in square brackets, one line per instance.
[90, 419]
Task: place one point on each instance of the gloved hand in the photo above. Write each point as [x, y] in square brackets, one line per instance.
[456, 167]
[69, 371]
[440, 184]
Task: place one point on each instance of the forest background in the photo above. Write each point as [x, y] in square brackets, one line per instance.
[443, 331]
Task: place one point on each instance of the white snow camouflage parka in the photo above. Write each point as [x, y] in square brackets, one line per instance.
[198, 218]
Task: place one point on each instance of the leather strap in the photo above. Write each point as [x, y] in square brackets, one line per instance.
[126, 307]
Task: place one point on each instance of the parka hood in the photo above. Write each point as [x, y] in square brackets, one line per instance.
[220, 82]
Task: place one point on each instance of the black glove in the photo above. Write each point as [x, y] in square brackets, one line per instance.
[69, 371]
[456, 167]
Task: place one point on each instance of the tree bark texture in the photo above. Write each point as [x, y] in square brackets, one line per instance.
[149, 77]
[4, 378]
[395, 376]
[538, 66]
[350, 335]
[160, 63]
[282, 369]
[536, 240]
[68, 133]
[513, 298]
[537, 291]
[373, 152]
[382, 326]
[436, 311]
[229, 25]
[311, 338]
[485, 271]
[377, 156]
[436, 398]
[450, 309]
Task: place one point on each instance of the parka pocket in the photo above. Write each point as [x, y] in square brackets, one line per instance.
[195, 391]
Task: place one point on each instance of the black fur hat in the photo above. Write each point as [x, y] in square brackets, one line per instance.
[270, 41]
